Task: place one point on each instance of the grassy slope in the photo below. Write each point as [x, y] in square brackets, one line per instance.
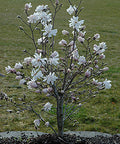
[102, 113]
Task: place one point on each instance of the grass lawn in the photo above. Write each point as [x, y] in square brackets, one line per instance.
[101, 113]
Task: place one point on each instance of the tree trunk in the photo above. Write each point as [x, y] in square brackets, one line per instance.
[60, 122]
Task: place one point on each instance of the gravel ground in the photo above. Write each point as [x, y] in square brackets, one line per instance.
[69, 138]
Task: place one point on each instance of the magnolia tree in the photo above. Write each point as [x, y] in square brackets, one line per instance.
[72, 76]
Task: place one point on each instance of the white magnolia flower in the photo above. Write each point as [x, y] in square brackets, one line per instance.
[71, 9]
[95, 82]
[47, 106]
[33, 18]
[32, 84]
[41, 40]
[37, 122]
[75, 23]
[100, 85]
[27, 60]
[75, 54]
[107, 84]
[51, 78]
[9, 69]
[102, 45]
[40, 8]
[44, 17]
[100, 48]
[82, 34]
[28, 6]
[48, 30]
[81, 60]
[38, 61]
[54, 61]
[22, 81]
[36, 74]
[18, 66]
[54, 58]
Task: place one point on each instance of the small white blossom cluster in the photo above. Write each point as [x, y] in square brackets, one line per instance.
[47, 106]
[43, 16]
[99, 49]
[105, 84]
[38, 70]
[74, 22]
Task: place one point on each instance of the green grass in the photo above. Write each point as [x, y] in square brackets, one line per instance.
[101, 113]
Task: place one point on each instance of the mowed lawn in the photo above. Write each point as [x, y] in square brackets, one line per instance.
[101, 113]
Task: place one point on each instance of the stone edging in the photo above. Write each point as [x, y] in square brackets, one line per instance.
[18, 134]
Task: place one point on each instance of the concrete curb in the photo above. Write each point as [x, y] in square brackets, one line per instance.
[88, 134]
[19, 134]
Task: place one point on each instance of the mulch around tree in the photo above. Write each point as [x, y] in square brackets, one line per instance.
[67, 139]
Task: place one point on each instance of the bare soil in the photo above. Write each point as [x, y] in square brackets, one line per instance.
[67, 139]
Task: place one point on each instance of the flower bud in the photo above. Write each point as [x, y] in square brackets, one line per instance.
[88, 38]
[22, 81]
[90, 68]
[57, 2]
[89, 62]
[18, 73]
[62, 91]
[80, 39]
[82, 34]
[18, 77]
[102, 56]
[80, 104]
[48, 95]
[39, 51]
[105, 69]
[21, 28]
[50, 89]
[32, 84]
[96, 37]
[87, 73]
[37, 91]
[96, 61]
[28, 6]
[64, 32]
[18, 66]
[82, 28]
[10, 111]
[18, 16]
[96, 66]
[71, 43]
[45, 90]
[63, 42]
[94, 82]
[37, 123]
[47, 124]
[41, 40]
[68, 70]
